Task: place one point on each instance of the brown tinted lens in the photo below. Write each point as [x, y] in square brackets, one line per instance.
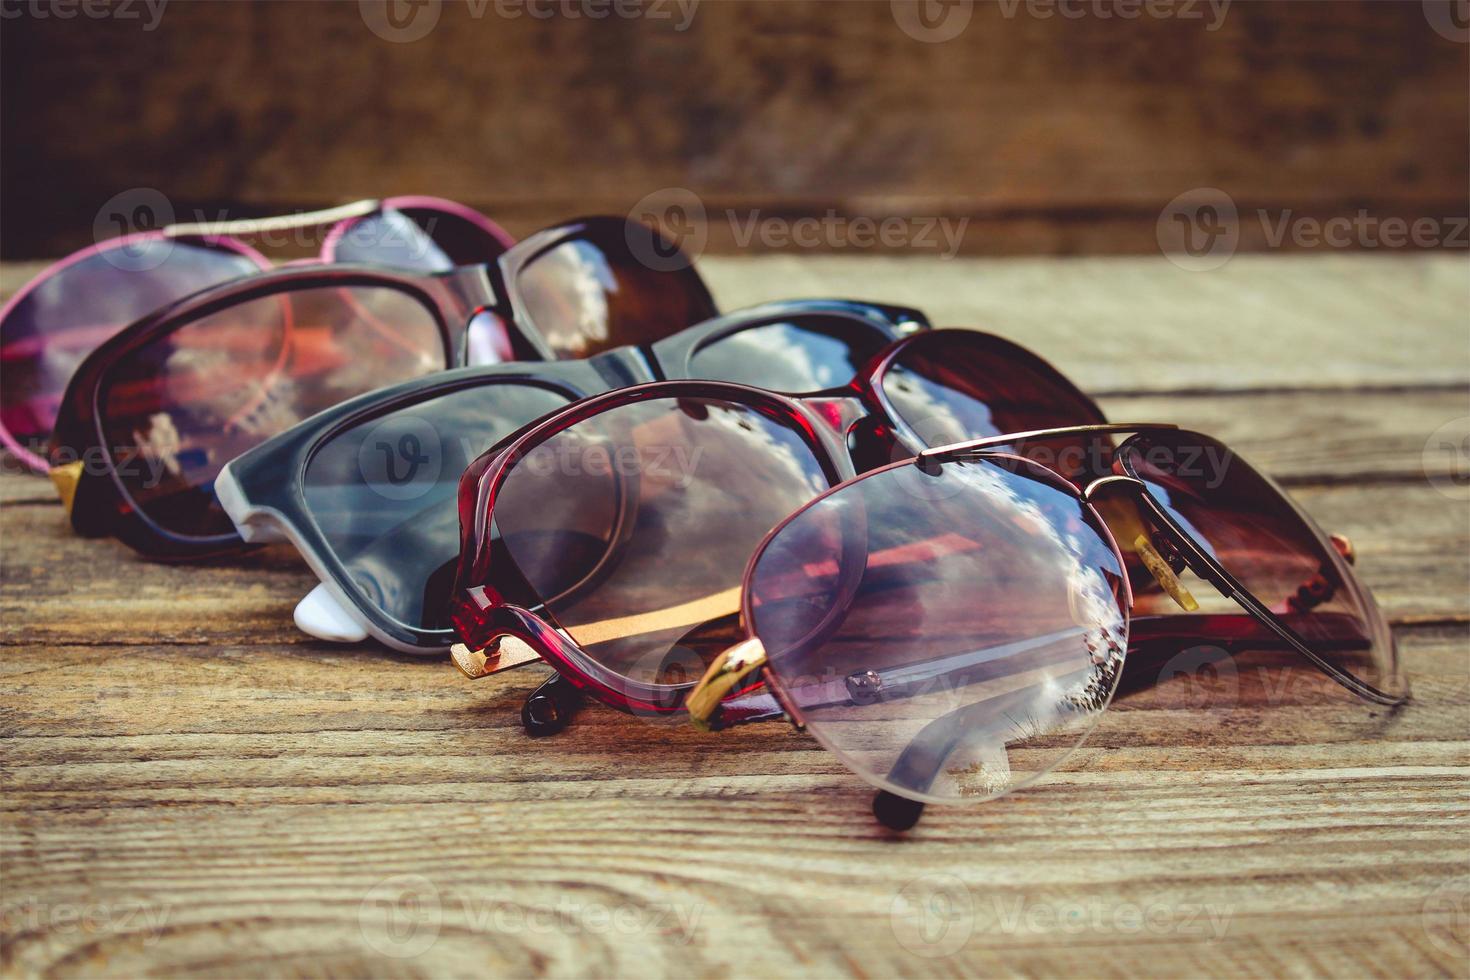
[586, 295]
[953, 385]
[177, 409]
[1271, 547]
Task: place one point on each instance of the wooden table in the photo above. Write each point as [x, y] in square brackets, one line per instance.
[191, 786]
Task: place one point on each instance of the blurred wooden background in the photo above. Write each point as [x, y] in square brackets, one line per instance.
[1065, 133]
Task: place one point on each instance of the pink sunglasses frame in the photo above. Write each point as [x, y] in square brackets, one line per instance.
[222, 234]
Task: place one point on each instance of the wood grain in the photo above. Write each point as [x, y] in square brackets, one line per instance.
[1053, 133]
[190, 787]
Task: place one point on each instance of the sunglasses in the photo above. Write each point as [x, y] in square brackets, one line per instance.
[151, 416]
[366, 490]
[625, 573]
[55, 320]
[953, 626]
[610, 537]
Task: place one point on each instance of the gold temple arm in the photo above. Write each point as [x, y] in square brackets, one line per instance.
[727, 673]
[475, 664]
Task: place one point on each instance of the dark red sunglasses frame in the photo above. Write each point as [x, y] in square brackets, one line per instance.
[825, 421]
[86, 472]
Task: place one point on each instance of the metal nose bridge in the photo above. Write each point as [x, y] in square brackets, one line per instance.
[838, 411]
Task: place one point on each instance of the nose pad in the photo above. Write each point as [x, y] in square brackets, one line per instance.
[1161, 568]
[1344, 546]
[487, 340]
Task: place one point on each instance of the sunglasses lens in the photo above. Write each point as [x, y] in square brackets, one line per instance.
[421, 239]
[382, 492]
[953, 385]
[632, 529]
[63, 318]
[952, 636]
[178, 408]
[1270, 547]
[587, 295]
[803, 354]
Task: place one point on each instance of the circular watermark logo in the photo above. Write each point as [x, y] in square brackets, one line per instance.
[1446, 459]
[400, 21]
[401, 916]
[933, 916]
[668, 229]
[1446, 919]
[135, 211]
[1199, 230]
[401, 457]
[933, 21]
[1449, 18]
[1202, 680]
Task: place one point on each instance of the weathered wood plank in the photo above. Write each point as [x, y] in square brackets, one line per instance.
[1142, 325]
[255, 821]
[1056, 130]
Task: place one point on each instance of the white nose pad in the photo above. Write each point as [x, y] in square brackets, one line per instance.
[322, 616]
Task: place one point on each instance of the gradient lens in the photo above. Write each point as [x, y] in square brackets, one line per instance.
[634, 527]
[175, 410]
[1248, 524]
[420, 239]
[64, 317]
[586, 295]
[950, 636]
[804, 354]
[951, 386]
[382, 491]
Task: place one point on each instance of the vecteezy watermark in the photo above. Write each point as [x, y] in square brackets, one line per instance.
[933, 21]
[403, 457]
[130, 224]
[139, 919]
[1445, 916]
[406, 21]
[670, 228]
[148, 13]
[1449, 18]
[935, 916]
[1201, 230]
[1446, 459]
[402, 916]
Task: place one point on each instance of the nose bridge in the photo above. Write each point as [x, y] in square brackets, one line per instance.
[839, 412]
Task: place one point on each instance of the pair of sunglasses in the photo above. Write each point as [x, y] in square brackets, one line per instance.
[953, 626]
[56, 319]
[366, 490]
[151, 416]
[610, 537]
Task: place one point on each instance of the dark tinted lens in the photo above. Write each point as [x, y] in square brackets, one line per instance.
[586, 296]
[802, 355]
[177, 409]
[463, 241]
[1267, 544]
[949, 636]
[62, 319]
[953, 385]
[382, 492]
[421, 239]
[635, 526]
